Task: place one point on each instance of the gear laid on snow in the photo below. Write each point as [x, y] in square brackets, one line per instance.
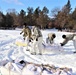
[35, 68]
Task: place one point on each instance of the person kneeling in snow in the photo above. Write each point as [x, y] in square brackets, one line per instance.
[50, 38]
[67, 38]
[37, 41]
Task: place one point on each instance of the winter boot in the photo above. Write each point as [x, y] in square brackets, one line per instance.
[74, 52]
[34, 53]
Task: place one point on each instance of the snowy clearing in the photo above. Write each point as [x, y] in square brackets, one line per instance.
[63, 58]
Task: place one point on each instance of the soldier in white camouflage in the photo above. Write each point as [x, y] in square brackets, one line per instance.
[37, 41]
[67, 38]
[26, 31]
[26, 34]
[50, 38]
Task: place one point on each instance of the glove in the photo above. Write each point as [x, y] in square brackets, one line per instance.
[24, 38]
[36, 39]
[62, 44]
[29, 40]
[20, 33]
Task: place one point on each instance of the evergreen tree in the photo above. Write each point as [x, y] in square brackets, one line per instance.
[45, 10]
[36, 12]
[43, 19]
[9, 20]
[36, 15]
[74, 14]
[67, 8]
[2, 20]
[21, 17]
[73, 19]
[29, 16]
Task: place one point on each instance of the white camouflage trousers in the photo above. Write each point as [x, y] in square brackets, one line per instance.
[27, 42]
[37, 46]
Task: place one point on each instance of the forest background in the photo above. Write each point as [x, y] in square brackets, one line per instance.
[60, 19]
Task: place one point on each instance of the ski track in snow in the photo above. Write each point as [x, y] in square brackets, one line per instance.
[56, 57]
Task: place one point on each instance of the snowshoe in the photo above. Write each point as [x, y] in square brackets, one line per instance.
[39, 53]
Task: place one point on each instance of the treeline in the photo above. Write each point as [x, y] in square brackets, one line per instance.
[61, 18]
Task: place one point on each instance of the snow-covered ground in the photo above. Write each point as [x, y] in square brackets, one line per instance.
[63, 58]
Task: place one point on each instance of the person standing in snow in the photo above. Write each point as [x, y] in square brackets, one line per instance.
[26, 34]
[67, 38]
[26, 30]
[37, 40]
[50, 38]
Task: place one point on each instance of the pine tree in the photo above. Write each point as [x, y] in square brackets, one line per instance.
[74, 14]
[67, 8]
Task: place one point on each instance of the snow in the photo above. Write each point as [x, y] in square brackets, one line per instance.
[63, 58]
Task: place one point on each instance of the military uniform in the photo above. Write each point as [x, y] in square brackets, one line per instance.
[67, 38]
[37, 41]
[27, 35]
[27, 32]
[50, 38]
